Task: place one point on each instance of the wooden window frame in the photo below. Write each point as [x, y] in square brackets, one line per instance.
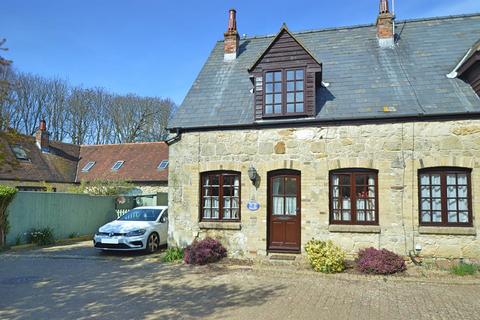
[443, 172]
[284, 82]
[352, 172]
[221, 173]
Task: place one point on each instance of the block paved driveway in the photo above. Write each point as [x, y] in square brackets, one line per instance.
[76, 282]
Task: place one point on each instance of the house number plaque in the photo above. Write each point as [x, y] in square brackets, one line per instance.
[253, 205]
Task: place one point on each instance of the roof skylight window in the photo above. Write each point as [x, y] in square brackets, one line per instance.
[163, 165]
[88, 166]
[20, 153]
[118, 165]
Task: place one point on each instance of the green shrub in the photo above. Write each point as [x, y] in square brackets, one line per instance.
[102, 187]
[6, 196]
[464, 269]
[72, 235]
[173, 254]
[41, 237]
[325, 257]
[18, 240]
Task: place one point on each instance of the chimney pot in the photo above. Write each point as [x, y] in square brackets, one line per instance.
[231, 37]
[384, 6]
[232, 20]
[41, 136]
[43, 125]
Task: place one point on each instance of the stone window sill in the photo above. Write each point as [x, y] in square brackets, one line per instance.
[460, 231]
[353, 228]
[220, 225]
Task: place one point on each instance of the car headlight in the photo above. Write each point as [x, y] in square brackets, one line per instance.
[139, 232]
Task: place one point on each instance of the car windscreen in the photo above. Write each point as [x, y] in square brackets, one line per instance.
[141, 215]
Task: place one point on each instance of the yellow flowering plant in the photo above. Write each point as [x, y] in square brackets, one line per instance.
[325, 256]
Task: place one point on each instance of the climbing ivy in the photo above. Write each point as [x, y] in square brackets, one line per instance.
[6, 196]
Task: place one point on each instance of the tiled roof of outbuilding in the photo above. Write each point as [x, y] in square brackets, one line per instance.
[140, 162]
[58, 165]
[63, 162]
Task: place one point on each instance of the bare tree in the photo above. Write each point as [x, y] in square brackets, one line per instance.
[5, 72]
[79, 111]
[156, 126]
[79, 115]
[30, 97]
[129, 116]
[102, 129]
[56, 107]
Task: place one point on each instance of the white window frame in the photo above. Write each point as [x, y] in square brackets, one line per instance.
[88, 166]
[17, 149]
[161, 166]
[117, 165]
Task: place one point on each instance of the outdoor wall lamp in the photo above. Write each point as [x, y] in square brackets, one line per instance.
[252, 174]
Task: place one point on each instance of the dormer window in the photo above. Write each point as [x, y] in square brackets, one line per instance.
[294, 90]
[286, 76]
[273, 93]
[469, 68]
[284, 92]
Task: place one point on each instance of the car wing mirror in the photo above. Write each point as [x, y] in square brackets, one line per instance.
[163, 219]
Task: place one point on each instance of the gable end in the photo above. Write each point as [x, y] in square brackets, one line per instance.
[286, 52]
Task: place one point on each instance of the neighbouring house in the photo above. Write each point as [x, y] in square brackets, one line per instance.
[37, 163]
[366, 135]
[144, 165]
[40, 164]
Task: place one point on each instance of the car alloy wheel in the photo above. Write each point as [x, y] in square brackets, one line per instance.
[153, 243]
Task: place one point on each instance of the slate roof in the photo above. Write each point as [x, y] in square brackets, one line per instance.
[363, 78]
[141, 162]
[58, 165]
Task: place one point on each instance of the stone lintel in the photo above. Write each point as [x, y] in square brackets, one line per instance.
[220, 225]
[461, 231]
[353, 228]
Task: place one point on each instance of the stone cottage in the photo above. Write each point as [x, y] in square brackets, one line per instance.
[366, 135]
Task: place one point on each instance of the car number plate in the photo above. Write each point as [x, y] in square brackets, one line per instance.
[110, 241]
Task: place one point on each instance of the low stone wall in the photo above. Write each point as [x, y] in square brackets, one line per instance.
[152, 189]
[397, 151]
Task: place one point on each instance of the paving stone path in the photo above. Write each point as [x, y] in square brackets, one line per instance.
[56, 286]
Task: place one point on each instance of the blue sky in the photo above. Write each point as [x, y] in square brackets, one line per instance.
[156, 48]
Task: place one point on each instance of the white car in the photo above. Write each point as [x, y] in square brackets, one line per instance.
[142, 228]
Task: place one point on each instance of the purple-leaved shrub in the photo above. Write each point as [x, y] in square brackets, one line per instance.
[204, 251]
[379, 261]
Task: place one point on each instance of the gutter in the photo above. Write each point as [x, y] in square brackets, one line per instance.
[327, 121]
[176, 137]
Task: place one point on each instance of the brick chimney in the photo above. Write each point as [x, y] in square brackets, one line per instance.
[385, 26]
[232, 39]
[41, 136]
